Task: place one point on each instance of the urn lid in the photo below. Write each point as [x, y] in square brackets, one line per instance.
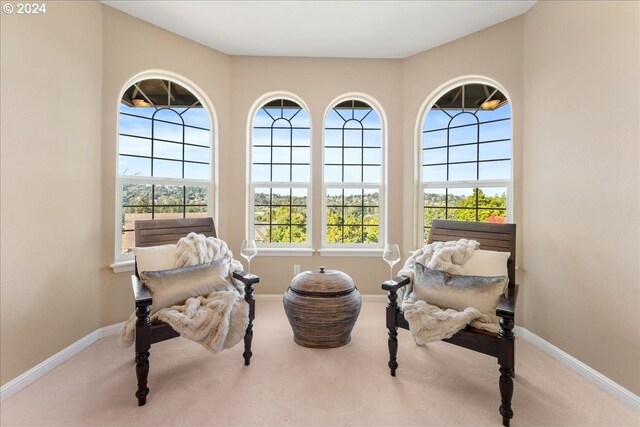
[322, 281]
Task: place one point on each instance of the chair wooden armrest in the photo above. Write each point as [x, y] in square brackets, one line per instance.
[246, 278]
[395, 284]
[507, 304]
[140, 292]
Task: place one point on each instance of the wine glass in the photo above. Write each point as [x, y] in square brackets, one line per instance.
[391, 255]
[248, 251]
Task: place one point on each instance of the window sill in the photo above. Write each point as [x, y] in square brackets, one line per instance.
[123, 266]
[285, 251]
[360, 252]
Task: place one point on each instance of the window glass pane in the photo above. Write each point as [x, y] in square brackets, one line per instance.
[281, 155]
[463, 172]
[433, 213]
[353, 215]
[352, 174]
[352, 234]
[333, 155]
[262, 214]
[370, 234]
[134, 166]
[196, 116]
[281, 124]
[436, 119]
[352, 197]
[134, 126]
[261, 173]
[371, 198]
[371, 216]
[167, 150]
[435, 156]
[332, 138]
[261, 155]
[197, 154]
[372, 174]
[334, 197]
[280, 173]
[168, 195]
[461, 197]
[301, 137]
[434, 139]
[196, 212]
[463, 119]
[301, 119]
[167, 168]
[196, 171]
[135, 146]
[495, 130]
[353, 156]
[128, 242]
[299, 196]
[353, 124]
[300, 173]
[463, 135]
[262, 196]
[300, 155]
[137, 111]
[372, 156]
[281, 136]
[168, 131]
[261, 137]
[333, 120]
[434, 173]
[262, 119]
[196, 196]
[353, 137]
[168, 115]
[495, 150]
[334, 234]
[503, 112]
[372, 121]
[280, 196]
[373, 138]
[171, 212]
[136, 195]
[197, 136]
[464, 153]
[495, 170]
[261, 233]
[435, 197]
[333, 173]
[280, 215]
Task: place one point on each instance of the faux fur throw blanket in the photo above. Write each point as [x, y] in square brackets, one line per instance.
[428, 322]
[216, 321]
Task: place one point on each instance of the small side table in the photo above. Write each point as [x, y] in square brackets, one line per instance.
[322, 307]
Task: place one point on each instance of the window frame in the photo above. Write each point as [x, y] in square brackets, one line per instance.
[421, 186]
[124, 261]
[279, 248]
[356, 249]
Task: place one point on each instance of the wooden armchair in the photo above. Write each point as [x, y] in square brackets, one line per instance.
[495, 237]
[164, 232]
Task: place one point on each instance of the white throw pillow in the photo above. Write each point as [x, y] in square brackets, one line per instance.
[155, 258]
[174, 286]
[487, 263]
[457, 291]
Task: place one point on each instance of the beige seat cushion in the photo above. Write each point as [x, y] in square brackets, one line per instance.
[155, 258]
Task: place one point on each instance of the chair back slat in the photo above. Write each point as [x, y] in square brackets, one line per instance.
[154, 232]
[492, 237]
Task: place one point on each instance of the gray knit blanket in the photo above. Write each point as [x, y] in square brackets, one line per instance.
[216, 321]
[427, 322]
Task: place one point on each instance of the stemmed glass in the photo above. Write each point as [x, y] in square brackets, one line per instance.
[248, 250]
[391, 255]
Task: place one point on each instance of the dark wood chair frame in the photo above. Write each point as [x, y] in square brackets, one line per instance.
[163, 232]
[495, 237]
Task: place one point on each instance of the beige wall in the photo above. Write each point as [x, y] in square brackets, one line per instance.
[132, 46]
[580, 213]
[51, 196]
[558, 63]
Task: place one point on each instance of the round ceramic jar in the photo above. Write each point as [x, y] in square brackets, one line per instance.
[322, 307]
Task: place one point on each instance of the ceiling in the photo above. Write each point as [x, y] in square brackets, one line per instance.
[343, 29]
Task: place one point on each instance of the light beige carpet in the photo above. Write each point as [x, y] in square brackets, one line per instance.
[288, 385]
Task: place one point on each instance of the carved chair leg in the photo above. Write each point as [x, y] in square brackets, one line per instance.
[248, 336]
[143, 345]
[392, 310]
[506, 359]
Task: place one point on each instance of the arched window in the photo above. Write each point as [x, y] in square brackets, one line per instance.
[280, 173]
[164, 156]
[353, 202]
[466, 155]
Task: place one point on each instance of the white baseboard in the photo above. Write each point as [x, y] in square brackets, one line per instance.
[20, 382]
[611, 387]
